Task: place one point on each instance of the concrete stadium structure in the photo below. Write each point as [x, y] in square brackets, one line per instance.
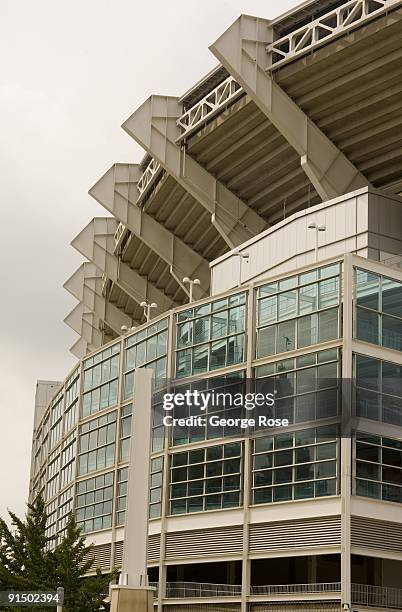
[276, 181]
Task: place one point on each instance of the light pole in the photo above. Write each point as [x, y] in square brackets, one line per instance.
[147, 309]
[317, 228]
[195, 281]
[241, 256]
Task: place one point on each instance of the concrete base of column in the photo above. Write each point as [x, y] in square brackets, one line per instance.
[132, 599]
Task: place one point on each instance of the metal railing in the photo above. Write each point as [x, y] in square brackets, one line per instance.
[182, 590]
[119, 233]
[291, 589]
[149, 176]
[330, 25]
[220, 97]
[105, 282]
[155, 585]
[376, 596]
[361, 594]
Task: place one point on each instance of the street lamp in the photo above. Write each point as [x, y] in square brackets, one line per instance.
[124, 329]
[147, 309]
[190, 282]
[318, 228]
[241, 256]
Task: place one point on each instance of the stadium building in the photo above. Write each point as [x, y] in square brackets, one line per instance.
[276, 181]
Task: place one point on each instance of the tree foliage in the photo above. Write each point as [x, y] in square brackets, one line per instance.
[29, 561]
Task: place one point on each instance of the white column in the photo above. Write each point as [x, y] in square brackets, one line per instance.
[136, 528]
[133, 592]
[346, 440]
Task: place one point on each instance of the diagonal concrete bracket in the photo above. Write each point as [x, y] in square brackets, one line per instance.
[86, 324]
[96, 243]
[81, 347]
[117, 192]
[153, 125]
[86, 286]
[242, 51]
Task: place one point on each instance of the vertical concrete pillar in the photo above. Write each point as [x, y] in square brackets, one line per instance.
[346, 439]
[133, 593]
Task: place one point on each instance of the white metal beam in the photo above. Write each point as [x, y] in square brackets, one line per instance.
[153, 126]
[86, 286]
[81, 347]
[242, 50]
[86, 324]
[117, 191]
[96, 243]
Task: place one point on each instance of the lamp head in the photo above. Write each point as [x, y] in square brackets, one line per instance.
[186, 279]
[154, 305]
[196, 281]
[143, 304]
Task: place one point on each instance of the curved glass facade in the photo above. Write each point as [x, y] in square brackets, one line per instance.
[289, 331]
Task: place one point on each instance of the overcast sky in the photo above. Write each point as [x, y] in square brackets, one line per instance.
[71, 73]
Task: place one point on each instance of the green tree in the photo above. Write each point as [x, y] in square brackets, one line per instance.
[29, 561]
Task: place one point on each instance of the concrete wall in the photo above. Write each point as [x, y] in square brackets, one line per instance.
[365, 222]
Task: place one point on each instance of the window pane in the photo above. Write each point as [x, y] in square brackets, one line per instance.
[219, 325]
[235, 350]
[237, 319]
[367, 289]
[200, 359]
[184, 334]
[218, 354]
[307, 330]
[392, 297]
[328, 293]
[183, 366]
[308, 299]
[201, 330]
[287, 305]
[286, 337]
[367, 372]
[266, 341]
[367, 325]
[392, 378]
[328, 325]
[392, 333]
[267, 310]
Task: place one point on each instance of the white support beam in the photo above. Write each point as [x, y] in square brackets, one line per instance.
[81, 347]
[153, 125]
[242, 51]
[86, 286]
[96, 243]
[117, 191]
[86, 324]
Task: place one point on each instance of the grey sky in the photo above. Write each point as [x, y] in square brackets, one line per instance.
[71, 73]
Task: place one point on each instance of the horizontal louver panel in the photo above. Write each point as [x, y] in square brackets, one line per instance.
[154, 546]
[372, 533]
[154, 542]
[101, 556]
[118, 554]
[324, 531]
[204, 542]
